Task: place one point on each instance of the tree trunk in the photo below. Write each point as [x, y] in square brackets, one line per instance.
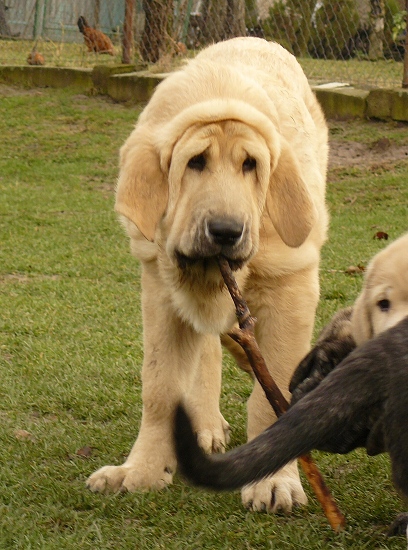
[222, 19]
[376, 36]
[4, 28]
[405, 73]
[235, 19]
[158, 17]
[127, 41]
[214, 14]
[302, 12]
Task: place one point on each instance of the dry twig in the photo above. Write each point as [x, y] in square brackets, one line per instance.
[245, 337]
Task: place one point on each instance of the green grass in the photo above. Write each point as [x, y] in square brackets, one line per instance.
[383, 73]
[71, 348]
[58, 54]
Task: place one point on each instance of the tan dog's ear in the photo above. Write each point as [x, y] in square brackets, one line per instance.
[361, 326]
[289, 203]
[142, 192]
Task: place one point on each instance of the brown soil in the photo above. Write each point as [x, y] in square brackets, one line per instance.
[353, 153]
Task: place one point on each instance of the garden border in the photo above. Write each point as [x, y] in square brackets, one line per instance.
[123, 83]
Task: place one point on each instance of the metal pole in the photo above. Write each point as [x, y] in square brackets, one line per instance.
[38, 18]
[97, 14]
[127, 43]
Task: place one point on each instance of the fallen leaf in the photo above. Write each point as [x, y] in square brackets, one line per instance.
[354, 269]
[381, 235]
[24, 435]
[85, 452]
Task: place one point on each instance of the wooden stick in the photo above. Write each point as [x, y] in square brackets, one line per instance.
[245, 337]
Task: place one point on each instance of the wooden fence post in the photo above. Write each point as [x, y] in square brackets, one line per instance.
[127, 42]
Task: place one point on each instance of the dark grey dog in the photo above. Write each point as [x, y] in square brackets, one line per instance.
[363, 402]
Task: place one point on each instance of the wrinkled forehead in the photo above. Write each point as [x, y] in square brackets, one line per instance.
[230, 137]
[195, 123]
[226, 129]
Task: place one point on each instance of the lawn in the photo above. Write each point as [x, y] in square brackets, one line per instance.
[71, 345]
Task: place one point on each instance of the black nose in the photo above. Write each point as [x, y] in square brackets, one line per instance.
[225, 231]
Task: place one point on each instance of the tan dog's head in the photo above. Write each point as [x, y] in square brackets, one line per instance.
[383, 301]
[201, 183]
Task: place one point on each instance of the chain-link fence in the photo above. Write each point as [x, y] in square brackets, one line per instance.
[360, 42]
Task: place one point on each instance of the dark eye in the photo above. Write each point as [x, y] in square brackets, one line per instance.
[197, 163]
[249, 164]
[384, 305]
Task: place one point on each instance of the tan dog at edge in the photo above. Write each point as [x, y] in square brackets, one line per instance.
[382, 303]
[229, 157]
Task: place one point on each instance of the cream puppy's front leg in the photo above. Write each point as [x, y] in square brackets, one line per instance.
[178, 363]
[213, 431]
[165, 375]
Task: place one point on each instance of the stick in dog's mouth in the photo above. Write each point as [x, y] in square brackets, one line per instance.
[245, 337]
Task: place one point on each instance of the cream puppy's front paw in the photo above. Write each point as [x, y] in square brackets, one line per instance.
[107, 479]
[278, 493]
[139, 477]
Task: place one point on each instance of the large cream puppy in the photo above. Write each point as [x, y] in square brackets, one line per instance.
[229, 157]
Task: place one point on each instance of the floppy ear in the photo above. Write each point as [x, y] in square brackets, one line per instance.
[361, 326]
[142, 192]
[288, 202]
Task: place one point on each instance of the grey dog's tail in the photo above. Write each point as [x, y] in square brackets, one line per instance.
[251, 462]
[337, 417]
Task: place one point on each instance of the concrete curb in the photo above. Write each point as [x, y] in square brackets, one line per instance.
[44, 77]
[123, 83]
[133, 87]
[349, 102]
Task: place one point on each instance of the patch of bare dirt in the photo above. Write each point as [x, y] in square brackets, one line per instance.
[353, 153]
[11, 91]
